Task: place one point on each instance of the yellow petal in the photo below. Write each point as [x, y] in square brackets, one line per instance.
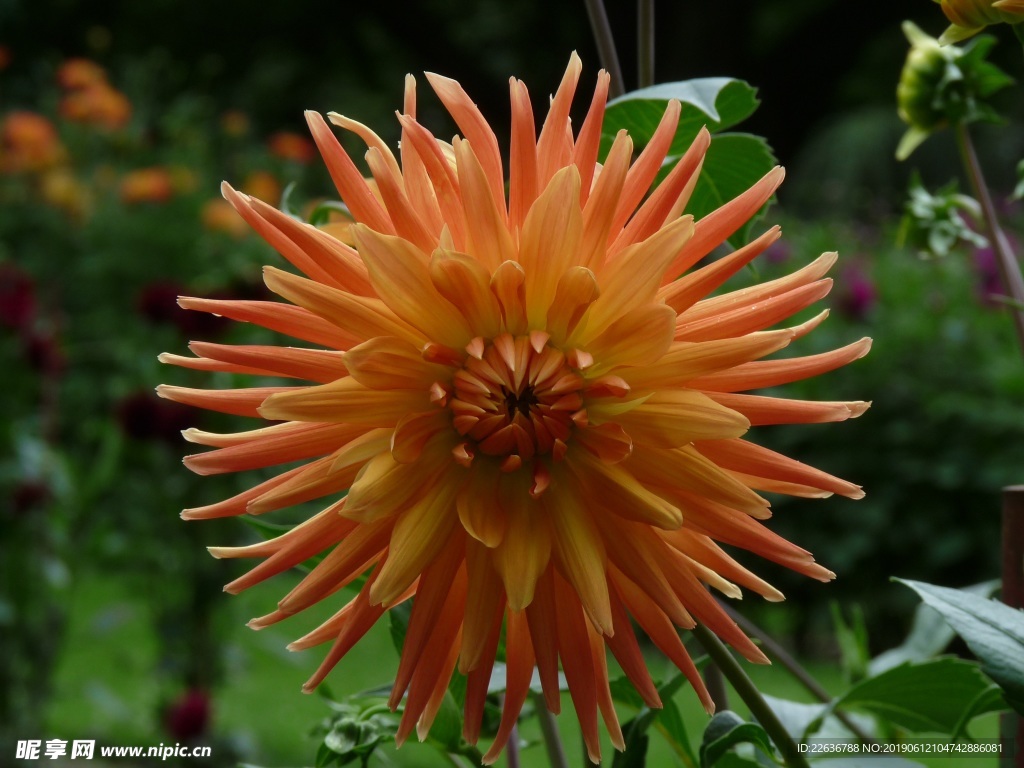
[640, 337]
[522, 185]
[613, 489]
[580, 553]
[466, 284]
[401, 277]
[489, 239]
[602, 201]
[419, 534]
[345, 400]
[389, 362]
[507, 285]
[577, 289]
[523, 553]
[360, 317]
[688, 360]
[550, 241]
[671, 418]
[478, 505]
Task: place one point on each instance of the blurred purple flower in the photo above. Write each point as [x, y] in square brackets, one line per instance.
[188, 717]
[158, 303]
[144, 416]
[778, 252]
[28, 495]
[17, 297]
[858, 293]
[43, 352]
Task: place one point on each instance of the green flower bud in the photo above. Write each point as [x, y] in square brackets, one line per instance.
[943, 85]
[915, 94]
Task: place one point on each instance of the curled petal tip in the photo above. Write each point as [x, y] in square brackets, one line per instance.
[858, 408]
[772, 595]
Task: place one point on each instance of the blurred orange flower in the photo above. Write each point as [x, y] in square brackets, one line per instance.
[262, 184]
[98, 104]
[74, 74]
[29, 143]
[534, 402]
[217, 215]
[969, 17]
[234, 123]
[62, 189]
[291, 146]
[147, 185]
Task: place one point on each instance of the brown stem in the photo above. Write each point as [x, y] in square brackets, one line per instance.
[717, 689]
[549, 732]
[606, 46]
[645, 43]
[1009, 271]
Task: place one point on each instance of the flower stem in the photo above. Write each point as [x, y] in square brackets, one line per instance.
[549, 731]
[606, 46]
[512, 748]
[1009, 271]
[645, 43]
[747, 691]
[794, 668]
[715, 684]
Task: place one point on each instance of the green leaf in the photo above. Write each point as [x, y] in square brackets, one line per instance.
[667, 720]
[853, 642]
[457, 690]
[635, 753]
[670, 725]
[926, 697]
[624, 693]
[732, 760]
[717, 102]
[1018, 191]
[446, 730]
[734, 162]
[882, 761]
[266, 530]
[797, 718]
[994, 632]
[286, 201]
[322, 213]
[989, 700]
[398, 618]
[929, 635]
[725, 731]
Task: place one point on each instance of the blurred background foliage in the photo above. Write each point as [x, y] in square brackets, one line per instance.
[120, 119]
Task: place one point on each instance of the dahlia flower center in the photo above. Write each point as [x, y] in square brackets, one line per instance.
[517, 397]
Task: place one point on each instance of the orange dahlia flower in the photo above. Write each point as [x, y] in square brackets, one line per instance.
[539, 424]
